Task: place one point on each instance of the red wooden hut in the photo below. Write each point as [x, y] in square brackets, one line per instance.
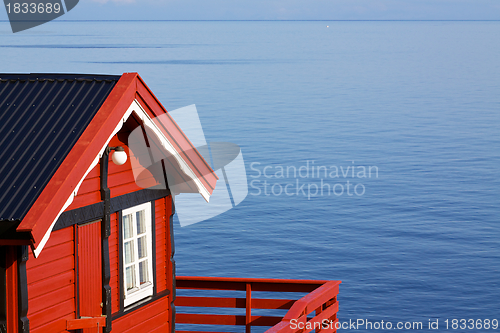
[82, 246]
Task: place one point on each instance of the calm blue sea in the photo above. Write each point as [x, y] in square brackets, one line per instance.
[418, 102]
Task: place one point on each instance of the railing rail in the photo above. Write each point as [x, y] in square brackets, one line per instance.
[322, 299]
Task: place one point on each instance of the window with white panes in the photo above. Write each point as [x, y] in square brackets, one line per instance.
[137, 253]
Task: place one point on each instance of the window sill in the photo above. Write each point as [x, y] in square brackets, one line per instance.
[138, 295]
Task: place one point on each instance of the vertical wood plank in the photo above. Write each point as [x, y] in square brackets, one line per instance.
[89, 271]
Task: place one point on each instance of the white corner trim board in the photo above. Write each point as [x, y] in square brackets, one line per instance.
[167, 145]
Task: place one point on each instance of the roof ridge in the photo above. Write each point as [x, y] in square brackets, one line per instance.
[33, 77]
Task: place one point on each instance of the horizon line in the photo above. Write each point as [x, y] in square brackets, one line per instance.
[289, 20]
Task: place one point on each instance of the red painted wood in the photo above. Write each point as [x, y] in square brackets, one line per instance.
[51, 282]
[218, 283]
[322, 299]
[169, 254]
[281, 327]
[315, 299]
[121, 178]
[122, 175]
[226, 302]
[51, 269]
[145, 319]
[89, 184]
[44, 211]
[325, 314]
[46, 286]
[161, 329]
[11, 289]
[51, 253]
[58, 326]
[89, 271]
[53, 314]
[248, 308]
[233, 320]
[85, 200]
[291, 282]
[168, 213]
[57, 237]
[332, 329]
[162, 257]
[114, 282]
[52, 298]
[89, 323]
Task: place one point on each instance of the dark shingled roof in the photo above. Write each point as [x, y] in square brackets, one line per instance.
[41, 118]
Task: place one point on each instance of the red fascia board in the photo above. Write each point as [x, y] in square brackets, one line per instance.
[178, 139]
[53, 197]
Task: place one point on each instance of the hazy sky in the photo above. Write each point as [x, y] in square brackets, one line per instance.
[283, 9]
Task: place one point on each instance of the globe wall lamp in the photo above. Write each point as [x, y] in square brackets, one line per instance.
[119, 156]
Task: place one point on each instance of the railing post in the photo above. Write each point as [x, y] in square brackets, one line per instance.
[318, 311]
[248, 315]
[330, 303]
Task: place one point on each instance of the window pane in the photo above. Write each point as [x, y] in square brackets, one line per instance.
[142, 247]
[143, 271]
[141, 222]
[130, 272]
[129, 252]
[127, 226]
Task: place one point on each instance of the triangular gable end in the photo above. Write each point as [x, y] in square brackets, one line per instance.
[129, 96]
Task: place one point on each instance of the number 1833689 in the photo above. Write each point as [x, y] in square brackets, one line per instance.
[33, 8]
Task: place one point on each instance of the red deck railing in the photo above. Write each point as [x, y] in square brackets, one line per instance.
[321, 301]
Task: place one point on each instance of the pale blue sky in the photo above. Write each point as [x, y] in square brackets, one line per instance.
[283, 9]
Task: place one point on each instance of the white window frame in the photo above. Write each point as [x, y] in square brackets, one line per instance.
[146, 289]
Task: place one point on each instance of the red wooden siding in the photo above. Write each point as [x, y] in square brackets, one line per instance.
[89, 190]
[161, 245]
[51, 284]
[170, 268]
[89, 271]
[120, 177]
[163, 210]
[147, 319]
[113, 264]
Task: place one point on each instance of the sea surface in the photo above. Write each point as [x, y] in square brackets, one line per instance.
[415, 103]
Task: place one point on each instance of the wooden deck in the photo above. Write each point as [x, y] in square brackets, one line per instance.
[304, 314]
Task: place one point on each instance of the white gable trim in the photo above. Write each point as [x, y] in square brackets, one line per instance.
[139, 111]
[167, 145]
